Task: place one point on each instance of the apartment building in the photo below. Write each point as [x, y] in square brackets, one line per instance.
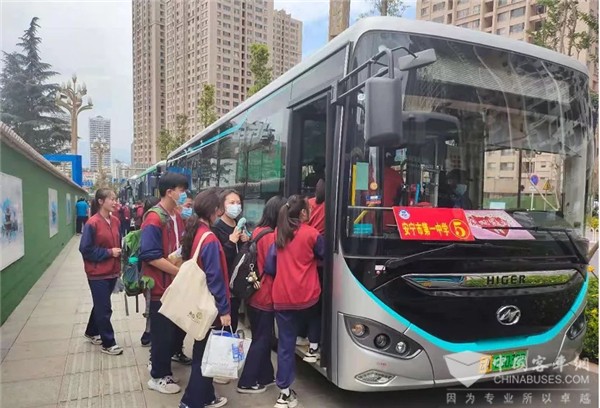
[180, 45]
[286, 42]
[514, 19]
[148, 21]
[509, 18]
[99, 133]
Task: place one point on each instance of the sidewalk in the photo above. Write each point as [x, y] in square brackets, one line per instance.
[46, 361]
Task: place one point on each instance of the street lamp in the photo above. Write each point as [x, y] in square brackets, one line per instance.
[70, 97]
[100, 147]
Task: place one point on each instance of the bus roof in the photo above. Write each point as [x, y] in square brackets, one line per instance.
[425, 28]
[152, 168]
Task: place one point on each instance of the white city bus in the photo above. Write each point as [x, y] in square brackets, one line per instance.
[457, 170]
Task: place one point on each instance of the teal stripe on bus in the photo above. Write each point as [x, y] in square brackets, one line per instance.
[229, 131]
[492, 344]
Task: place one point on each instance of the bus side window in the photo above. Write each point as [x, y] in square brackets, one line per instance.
[312, 131]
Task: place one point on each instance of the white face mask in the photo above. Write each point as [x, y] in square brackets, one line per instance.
[233, 210]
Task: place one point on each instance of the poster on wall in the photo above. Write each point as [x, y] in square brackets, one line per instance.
[53, 211]
[69, 207]
[13, 236]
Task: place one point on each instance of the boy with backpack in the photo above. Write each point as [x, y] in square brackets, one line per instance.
[158, 240]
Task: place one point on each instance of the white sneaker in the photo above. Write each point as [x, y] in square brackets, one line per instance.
[219, 380]
[113, 351]
[301, 341]
[313, 355]
[95, 340]
[287, 401]
[164, 385]
[218, 402]
[173, 378]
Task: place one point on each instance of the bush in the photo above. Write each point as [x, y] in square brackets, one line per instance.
[592, 222]
[590, 342]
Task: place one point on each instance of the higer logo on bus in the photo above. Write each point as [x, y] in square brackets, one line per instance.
[508, 315]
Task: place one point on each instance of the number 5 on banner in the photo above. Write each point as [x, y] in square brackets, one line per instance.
[460, 229]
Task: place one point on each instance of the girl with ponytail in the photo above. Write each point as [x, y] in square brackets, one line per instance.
[292, 260]
[200, 391]
[100, 247]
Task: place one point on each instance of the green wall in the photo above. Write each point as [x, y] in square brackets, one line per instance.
[40, 249]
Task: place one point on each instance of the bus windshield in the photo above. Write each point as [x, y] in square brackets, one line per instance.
[513, 146]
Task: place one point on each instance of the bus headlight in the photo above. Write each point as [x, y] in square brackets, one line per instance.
[382, 341]
[401, 347]
[360, 330]
[577, 327]
[374, 336]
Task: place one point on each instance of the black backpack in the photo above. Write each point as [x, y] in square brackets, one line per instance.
[245, 271]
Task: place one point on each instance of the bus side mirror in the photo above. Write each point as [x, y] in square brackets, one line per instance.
[383, 111]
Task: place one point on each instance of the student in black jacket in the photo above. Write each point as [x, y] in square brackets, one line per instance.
[231, 239]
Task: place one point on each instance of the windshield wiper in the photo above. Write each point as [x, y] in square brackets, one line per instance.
[578, 254]
[397, 262]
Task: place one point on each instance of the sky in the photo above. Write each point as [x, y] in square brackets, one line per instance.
[92, 38]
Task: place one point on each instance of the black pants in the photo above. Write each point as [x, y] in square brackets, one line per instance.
[162, 337]
[125, 226]
[200, 390]
[80, 223]
[258, 368]
[178, 338]
[99, 321]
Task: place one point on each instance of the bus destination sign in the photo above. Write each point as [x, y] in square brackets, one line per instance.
[432, 224]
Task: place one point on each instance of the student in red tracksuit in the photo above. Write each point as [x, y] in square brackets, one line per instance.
[292, 260]
[312, 325]
[161, 235]
[100, 247]
[258, 370]
[200, 392]
[317, 208]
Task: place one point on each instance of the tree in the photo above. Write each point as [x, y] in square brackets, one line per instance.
[169, 141]
[558, 30]
[259, 58]
[27, 101]
[206, 106]
[394, 8]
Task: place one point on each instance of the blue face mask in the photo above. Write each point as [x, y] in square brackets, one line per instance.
[182, 198]
[186, 212]
[460, 189]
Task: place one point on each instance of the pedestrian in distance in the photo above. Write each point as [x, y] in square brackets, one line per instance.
[100, 247]
[258, 371]
[292, 260]
[83, 212]
[200, 392]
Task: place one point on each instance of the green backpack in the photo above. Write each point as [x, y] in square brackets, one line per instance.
[131, 266]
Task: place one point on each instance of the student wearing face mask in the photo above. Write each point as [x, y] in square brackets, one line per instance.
[457, 184]
[200, 392]
[231, 237]
[292, 260]
[186, 209]
[162, 231]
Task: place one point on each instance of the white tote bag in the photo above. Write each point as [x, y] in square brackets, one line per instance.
[187, 302]
[224, 355]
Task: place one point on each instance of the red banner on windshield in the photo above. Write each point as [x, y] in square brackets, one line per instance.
[432, 224]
